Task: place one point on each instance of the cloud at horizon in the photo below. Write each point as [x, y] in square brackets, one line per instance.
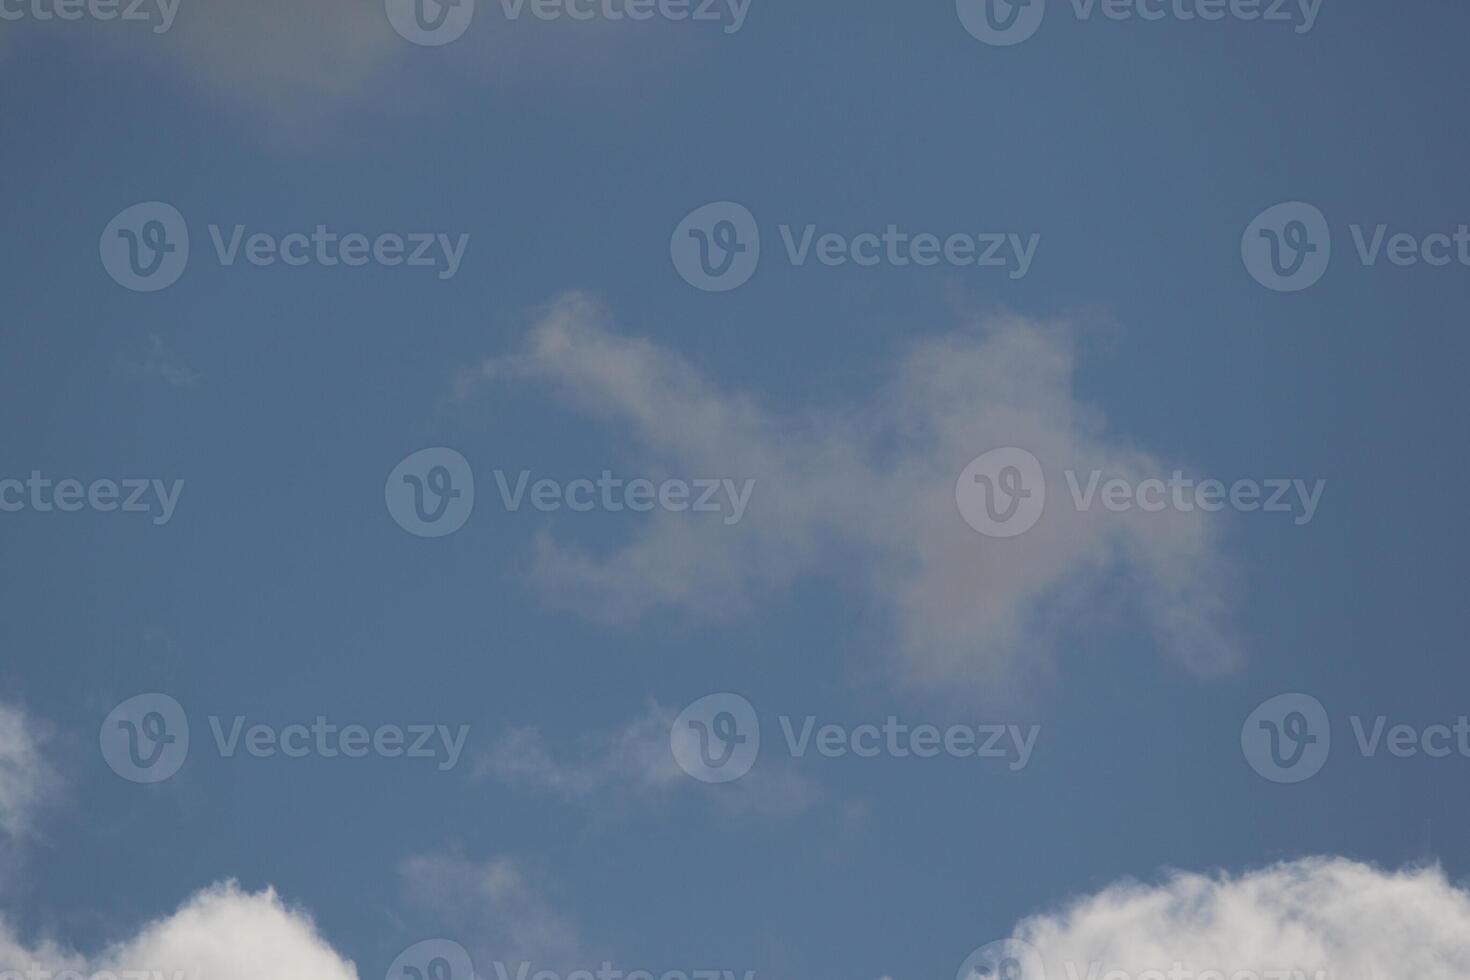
[1324, 916]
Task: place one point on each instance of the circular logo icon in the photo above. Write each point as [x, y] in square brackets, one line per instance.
[1001, 22]
[717, 738]
[433, 959]
[1006, 959]
[1288, 738]
[146, 247]
[717, 247]
[146, 738]
[1288, 247]
[431, 493]
[1002, 493]
[430, 22]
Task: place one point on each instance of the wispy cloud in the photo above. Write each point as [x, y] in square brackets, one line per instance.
[297, 66]
[503, 913]
[635, 764]
[160, 362]
[25, 780]
[864, 493]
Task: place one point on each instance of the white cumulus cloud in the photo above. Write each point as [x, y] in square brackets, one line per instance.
[221, 933]
[1318, 917]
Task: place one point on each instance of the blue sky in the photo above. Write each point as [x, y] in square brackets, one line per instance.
[563, 157]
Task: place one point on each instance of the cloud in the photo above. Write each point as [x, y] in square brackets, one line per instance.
[290, 62]
[294, 61]
[865, 492]
[221, 933]
[497, 908]
[1322, 916]
[160, 362]
[25, 781]
[635, 764]
[635, 758]
[298, 65]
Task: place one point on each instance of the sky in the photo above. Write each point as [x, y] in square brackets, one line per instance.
[733, 490]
